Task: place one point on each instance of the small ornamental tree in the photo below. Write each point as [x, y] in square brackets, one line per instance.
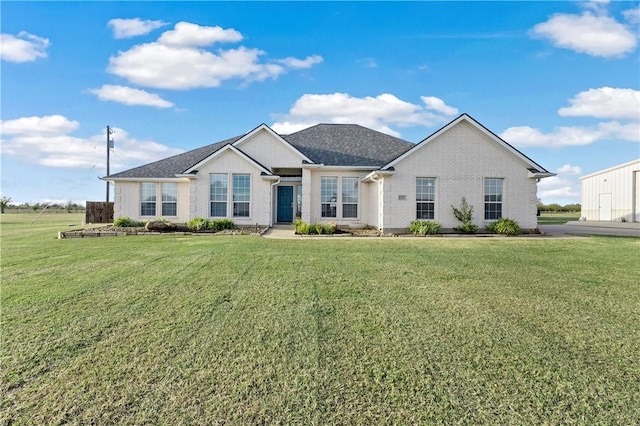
[4, 202]
[465, 215]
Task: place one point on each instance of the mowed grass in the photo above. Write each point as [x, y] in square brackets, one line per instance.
[557, 218]
[246, 330]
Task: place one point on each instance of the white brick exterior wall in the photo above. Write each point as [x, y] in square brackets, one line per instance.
[460, 159]
[269, 151]
[127, 200]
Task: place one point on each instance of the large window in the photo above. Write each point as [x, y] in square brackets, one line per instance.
[169, 199]
[218, 190]
[241, 195]
[425, 198]
[493, 198]
[350, 197]
[147, 199]
[329, 196]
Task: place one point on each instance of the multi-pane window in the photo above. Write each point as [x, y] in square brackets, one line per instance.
[328, 196]
[169, 199]
[241, 195]
[218, 190]
[350, 197]
[425, 198]
[147, 199]
[493, 198]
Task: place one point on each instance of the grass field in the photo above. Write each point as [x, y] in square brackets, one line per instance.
[558, 218]
[246, 330]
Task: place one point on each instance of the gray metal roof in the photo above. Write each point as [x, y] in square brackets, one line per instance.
[347, 145]
[328, 144]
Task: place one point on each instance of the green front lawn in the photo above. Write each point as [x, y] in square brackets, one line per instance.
[557, 218]
[246, 330]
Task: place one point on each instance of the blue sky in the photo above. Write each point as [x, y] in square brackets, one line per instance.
[558, 80]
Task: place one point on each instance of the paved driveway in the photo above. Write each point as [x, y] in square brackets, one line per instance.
[592, 228]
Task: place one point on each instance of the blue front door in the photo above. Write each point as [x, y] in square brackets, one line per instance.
[285, 204]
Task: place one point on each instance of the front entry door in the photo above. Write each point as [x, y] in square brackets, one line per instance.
[285, 204]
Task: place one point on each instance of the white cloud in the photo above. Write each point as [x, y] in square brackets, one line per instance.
[129, 96]
[379, 113]
[307, 62]
[46, 141]
[24, 47]
[559, 189]
[33, 126]
[593, 34]
[178, 61]
[632, 16]
[568, 169]
[188, 34]
[127, 28]
[571, 136]
[438, 105]
[605, 102]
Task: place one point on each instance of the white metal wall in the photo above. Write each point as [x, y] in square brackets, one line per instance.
[612, 194]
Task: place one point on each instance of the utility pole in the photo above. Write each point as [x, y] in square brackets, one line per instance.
[109, 146]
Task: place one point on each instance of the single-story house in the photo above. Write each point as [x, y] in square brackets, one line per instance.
[612, 194]
[338, 173]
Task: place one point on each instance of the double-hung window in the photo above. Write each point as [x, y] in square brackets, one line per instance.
[241, 195]
[169, 199]
[493, 198]
[218, 192]
[425, 198]
[329, 196]
[350, 197]
[147, 199]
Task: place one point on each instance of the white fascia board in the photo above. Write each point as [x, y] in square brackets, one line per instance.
[540, 175]
[146, 179]
[274, 134]
[322, 166]
[223, 150]
[610, 169]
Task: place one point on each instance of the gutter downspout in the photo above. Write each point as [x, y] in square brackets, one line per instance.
[375, 178]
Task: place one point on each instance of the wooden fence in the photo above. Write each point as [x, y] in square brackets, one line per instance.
[99, 212]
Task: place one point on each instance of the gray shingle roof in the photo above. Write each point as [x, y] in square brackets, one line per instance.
[169, 167]
[347, 145]
[328, 144]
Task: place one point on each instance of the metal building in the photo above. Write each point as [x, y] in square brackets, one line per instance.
[612, 194]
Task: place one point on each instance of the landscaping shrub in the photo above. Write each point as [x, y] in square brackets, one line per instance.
[127, 222]
[505, 226]
[220, 224]
[465, 215]
[303, 228]
[197, 224]
[424, 227]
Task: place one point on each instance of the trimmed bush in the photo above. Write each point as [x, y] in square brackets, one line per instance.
[505, 226]
[220, 224]
[127, 222]
[424, 227]
[303, 228]
[197, 224]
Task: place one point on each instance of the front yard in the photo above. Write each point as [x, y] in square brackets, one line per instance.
[177, 329]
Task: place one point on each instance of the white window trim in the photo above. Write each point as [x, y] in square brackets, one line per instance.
[162, 202]
[339, 204]
[155, 214]
[229, 199]
[484, 203]
[435, 197]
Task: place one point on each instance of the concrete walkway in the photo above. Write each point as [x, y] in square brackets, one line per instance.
[620, 229]
[568, 230]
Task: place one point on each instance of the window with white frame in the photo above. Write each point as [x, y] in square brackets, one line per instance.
[147, 199]
[493, 198]
[218, 192]
[350, 197]
[329, 196]
[241, 195]
[169, 199]
[425, 198]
